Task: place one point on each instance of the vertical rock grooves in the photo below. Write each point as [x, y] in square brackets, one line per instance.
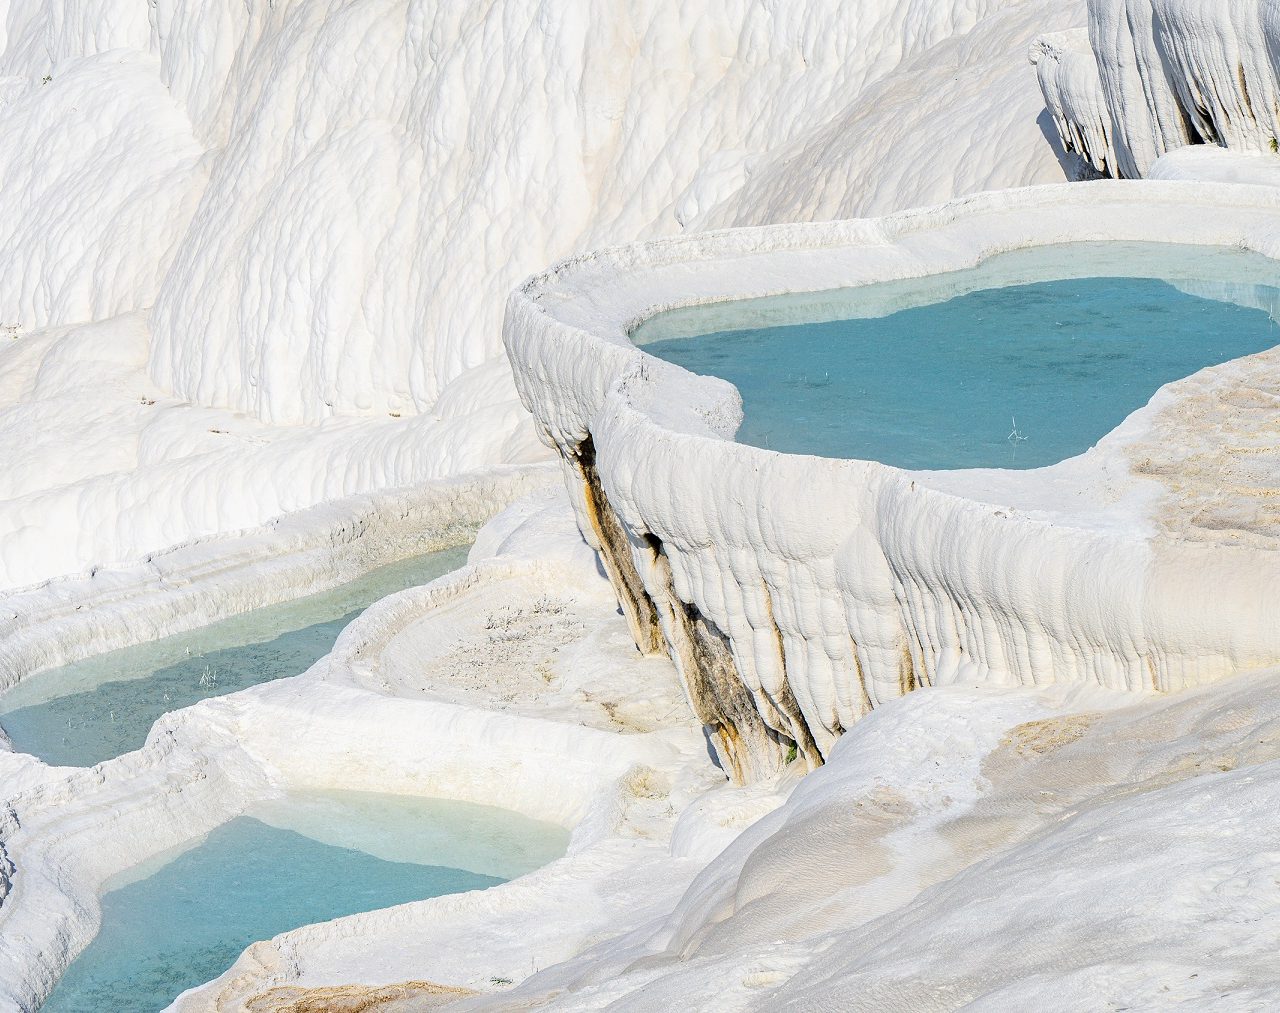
[1155, 75]
[615, 553]
[784, 700]
[749, 749]
[749, 743]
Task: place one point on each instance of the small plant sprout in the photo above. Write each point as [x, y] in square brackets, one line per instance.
[792, 753]
[1275, 146]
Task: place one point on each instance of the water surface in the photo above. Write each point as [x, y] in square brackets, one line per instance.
[182, 919]
[92, 710]
[987, 368]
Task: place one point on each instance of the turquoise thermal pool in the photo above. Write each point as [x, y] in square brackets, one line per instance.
[92, 710]
[183, 918]
[1022, 362]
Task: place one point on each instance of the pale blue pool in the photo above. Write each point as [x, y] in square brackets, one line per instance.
[83, 713]
[181, 920]
[986, 368]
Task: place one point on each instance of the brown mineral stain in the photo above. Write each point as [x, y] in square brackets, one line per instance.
[417, 995]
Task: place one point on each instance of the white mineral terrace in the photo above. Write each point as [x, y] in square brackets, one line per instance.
[510, 682]
[841, 585]
[989, 740]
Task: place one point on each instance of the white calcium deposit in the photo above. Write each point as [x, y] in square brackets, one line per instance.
[1223, 165]
[1151, 76]
[255, 257]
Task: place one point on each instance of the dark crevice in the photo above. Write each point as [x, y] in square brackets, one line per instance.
[862, 685]
[615, 553]
[1244, 90]
[907, 672]
[748, 748]
[785, 700]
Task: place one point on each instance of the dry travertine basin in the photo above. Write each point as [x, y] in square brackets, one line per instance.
[796, 593]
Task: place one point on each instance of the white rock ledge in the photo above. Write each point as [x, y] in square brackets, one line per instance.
[207, 580]
[797, 593]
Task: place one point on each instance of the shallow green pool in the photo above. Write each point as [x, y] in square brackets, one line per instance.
[92, 710]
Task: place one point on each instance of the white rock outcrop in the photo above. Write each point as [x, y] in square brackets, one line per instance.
[1156, 75]
[793, 614]
[255, 257]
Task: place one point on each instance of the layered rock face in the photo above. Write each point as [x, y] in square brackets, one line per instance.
[1152, 76]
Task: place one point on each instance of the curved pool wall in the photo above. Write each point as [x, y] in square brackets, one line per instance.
[989, 372]
[796, 593]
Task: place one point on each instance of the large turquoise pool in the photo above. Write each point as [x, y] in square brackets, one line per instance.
[1023, 362]
[184, 918]
[83, 713]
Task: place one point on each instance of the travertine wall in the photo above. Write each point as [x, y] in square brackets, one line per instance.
[1155, 75]
[823, 588]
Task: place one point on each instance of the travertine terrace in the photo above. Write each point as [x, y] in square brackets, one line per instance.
[823, 604]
